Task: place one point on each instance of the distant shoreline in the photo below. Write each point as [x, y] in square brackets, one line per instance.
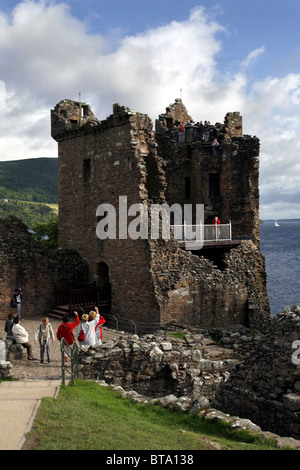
[291, 221]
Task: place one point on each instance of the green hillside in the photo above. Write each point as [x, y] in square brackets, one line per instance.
[28, 189]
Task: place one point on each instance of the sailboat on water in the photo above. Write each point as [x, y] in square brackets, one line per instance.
[276, 224]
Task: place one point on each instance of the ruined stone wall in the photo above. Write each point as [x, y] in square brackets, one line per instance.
[234, 124]
[194, 291]
[36, 269]
[175, 112]
[265, 387]
[156, 366]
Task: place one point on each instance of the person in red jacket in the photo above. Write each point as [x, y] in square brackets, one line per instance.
[65, 330]
[216, 222]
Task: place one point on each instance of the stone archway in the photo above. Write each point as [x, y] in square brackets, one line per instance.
[102, 275]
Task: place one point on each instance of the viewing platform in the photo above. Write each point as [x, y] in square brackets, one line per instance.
[195, 237]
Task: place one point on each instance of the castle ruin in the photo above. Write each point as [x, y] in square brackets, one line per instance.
[160, 280]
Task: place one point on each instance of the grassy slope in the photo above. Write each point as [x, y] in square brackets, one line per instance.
[88, 416]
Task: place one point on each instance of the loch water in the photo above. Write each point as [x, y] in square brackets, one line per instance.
[281, 247]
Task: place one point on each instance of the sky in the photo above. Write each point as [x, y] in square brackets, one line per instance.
[219, 56]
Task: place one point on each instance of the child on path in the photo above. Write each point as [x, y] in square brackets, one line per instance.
[44, 334]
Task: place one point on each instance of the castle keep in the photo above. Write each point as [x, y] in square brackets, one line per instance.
[160, 280]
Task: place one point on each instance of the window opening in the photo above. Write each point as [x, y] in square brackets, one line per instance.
[214, 185]
[187, 182]
[86, 170]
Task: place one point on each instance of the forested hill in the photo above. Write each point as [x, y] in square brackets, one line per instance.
[29, 189]
[34, 179]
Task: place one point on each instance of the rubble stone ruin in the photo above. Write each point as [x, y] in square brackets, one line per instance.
[154, 281]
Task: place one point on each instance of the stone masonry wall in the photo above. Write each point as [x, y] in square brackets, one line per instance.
[193, 291]
[265, 388]
[157, 366]
[36, 269]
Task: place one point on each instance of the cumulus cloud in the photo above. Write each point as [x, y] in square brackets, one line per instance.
[46, 55]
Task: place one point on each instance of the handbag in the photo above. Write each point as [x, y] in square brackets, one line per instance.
[81, 336]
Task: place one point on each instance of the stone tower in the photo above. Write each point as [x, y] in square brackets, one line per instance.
[154, 281]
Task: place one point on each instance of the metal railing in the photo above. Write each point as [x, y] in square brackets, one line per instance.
[202, 232]
[81, 296]
[72, 353]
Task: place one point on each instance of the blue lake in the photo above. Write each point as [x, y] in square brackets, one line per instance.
[281, 247]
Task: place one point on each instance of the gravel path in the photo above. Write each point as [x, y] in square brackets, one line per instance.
[34, 370]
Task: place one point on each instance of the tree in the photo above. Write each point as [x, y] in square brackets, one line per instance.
[47, 233]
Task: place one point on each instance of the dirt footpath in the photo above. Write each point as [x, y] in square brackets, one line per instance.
[34, 370]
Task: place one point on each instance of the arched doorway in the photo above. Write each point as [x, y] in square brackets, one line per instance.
[103, 286]
[102, 275]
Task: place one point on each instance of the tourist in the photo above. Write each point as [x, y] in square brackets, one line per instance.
[44, 334]
[181, 132]
[87, 331]
[21, 337]
[65, 331]
[215, 147]
[8, 326]
[98, 328]
[189, 131]
[18, 294]
[216, 220]
[206, 132]
[176, 131]
[200, 131]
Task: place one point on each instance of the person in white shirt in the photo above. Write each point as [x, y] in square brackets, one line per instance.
[44, 334]
[21, 337]
[86, 334]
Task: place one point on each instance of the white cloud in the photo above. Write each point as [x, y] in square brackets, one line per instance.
[252, 56]
[47, 55]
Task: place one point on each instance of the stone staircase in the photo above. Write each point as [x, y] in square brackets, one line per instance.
[58, 312]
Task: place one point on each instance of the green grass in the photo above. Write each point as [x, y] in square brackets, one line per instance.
[87, 416]
[30, 212]
[177, 334]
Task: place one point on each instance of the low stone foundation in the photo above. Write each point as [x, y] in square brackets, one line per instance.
[14, 351]
[156, 366]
